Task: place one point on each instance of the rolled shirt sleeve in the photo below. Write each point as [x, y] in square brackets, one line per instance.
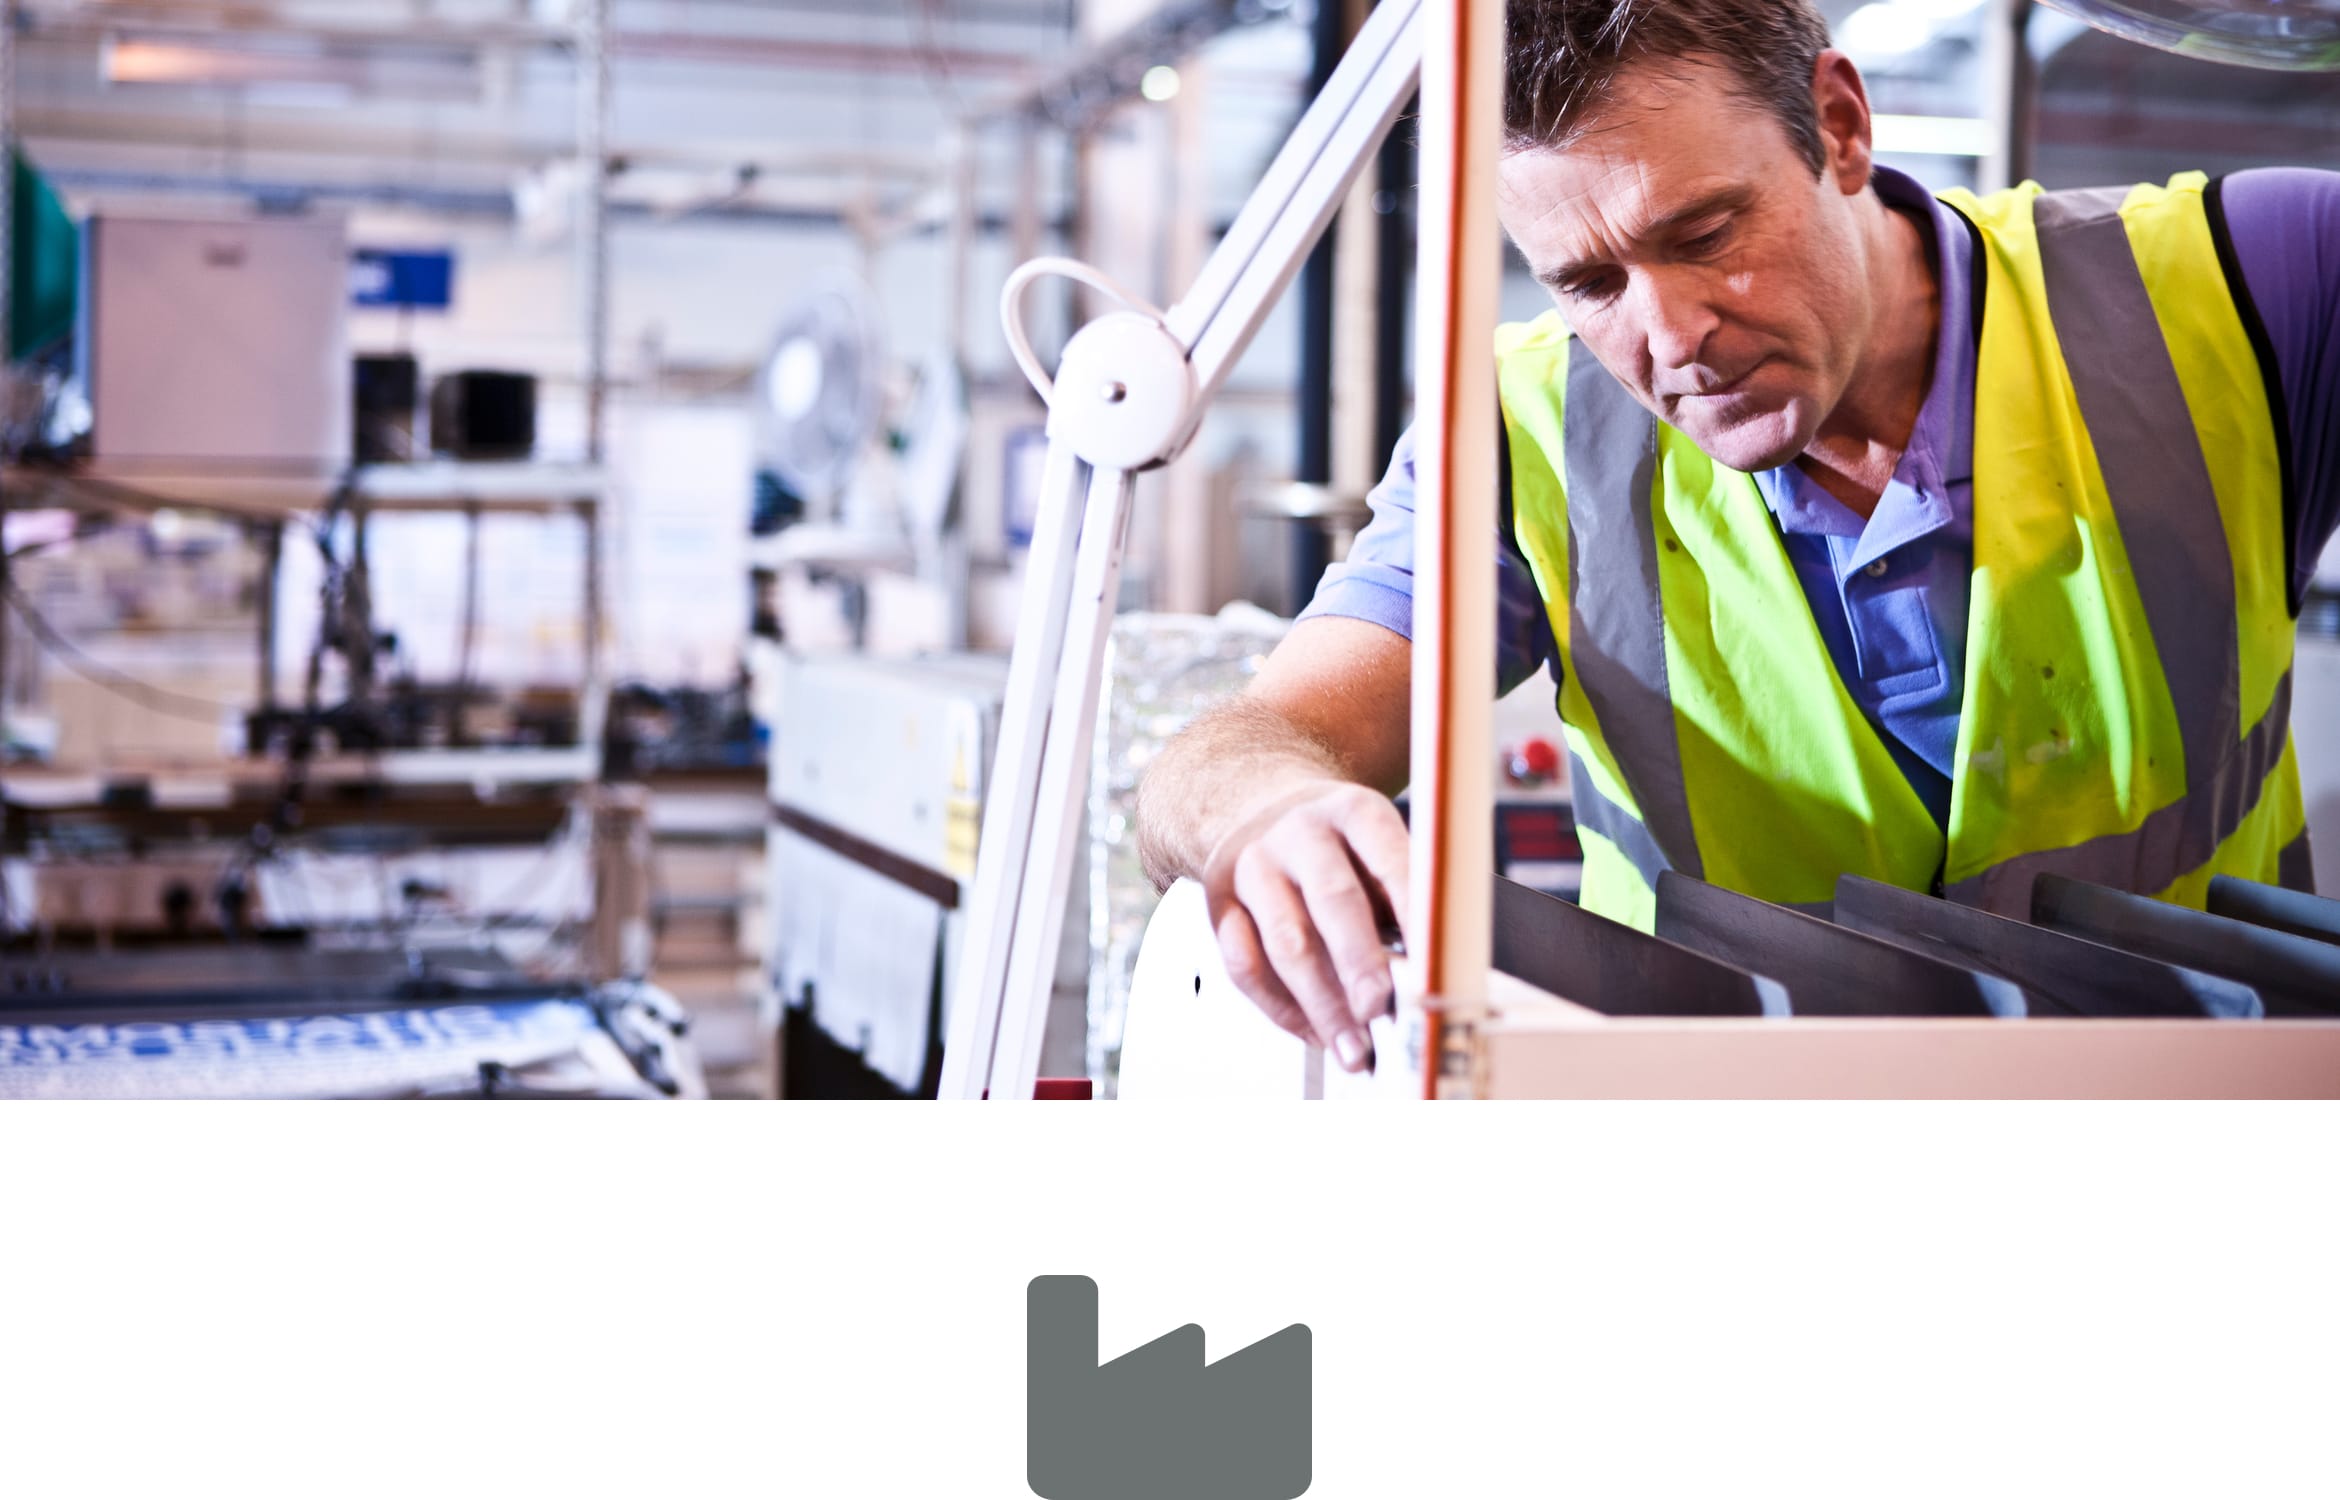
[1376, 582]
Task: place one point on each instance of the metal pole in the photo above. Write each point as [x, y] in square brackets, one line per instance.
[1450, 935]
[7, 199]
[1394, 203]
[593, 242]
[958, 324]
[1024, 218]
[467, 643]
[271, 576]
[7, 286]
[2010, 95]
[1357, 274]
[593, 216]
[1194, 572]
[589, 512]
[1328, 35]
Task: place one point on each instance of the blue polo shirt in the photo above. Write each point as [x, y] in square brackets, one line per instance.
[1889, 594]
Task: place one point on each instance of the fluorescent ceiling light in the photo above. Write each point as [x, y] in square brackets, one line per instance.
[135, 60]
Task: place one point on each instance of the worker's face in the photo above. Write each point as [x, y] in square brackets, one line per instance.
[1695, 253]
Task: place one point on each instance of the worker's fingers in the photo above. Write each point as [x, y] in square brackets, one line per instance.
[1345, 923]
[1378, 837]
[1248, 967]
[1300, 898]
[1292, 945]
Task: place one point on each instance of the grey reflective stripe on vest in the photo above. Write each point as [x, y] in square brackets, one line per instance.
[1616, 612]
[2154, 472]
[2171, 841]
[2295, 867]
[1596, 812]
[2167, 512]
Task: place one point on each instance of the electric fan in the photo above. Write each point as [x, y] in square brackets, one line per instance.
[821, 393]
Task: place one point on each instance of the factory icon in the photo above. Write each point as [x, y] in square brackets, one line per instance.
[1159, 1423]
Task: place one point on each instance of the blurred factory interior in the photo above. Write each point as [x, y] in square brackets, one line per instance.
[514, 509]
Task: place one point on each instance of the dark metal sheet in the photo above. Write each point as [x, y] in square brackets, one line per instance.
[1617, 970]
[2058, 971]
[255, 979]
[933, 884]
[2294, 912]
[2294, 975]
[1828, 970]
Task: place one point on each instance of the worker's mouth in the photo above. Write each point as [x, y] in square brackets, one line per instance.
[1723, 390]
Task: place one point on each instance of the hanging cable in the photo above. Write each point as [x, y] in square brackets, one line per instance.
[1011, 309]
[146, 694]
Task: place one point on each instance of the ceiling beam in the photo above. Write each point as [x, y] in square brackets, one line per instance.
[309, 134]
[63, 20]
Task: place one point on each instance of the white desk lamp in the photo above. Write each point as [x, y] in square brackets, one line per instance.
[1127, 396]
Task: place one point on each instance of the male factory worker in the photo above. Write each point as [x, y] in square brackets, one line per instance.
[1938, 541]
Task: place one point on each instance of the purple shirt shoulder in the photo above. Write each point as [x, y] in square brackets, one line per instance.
[1376, 582]
[2284, 224]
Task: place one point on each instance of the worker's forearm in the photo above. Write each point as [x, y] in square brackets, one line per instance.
[1221, 771]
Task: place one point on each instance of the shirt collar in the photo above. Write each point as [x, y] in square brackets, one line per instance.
[1919, 499]
[1939, 460]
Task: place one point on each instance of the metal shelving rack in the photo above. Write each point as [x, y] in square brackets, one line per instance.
[269, 503]
[271, 498]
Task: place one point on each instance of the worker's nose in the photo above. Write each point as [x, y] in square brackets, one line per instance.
[1677, 320]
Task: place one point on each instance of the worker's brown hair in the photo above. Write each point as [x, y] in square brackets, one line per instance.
[1562, 56]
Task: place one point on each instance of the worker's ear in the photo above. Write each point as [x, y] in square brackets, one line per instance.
[1841, 101]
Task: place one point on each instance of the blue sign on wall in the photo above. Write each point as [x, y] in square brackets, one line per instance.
[402, 278]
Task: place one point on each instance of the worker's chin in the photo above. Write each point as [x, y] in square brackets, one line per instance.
[1746, 434]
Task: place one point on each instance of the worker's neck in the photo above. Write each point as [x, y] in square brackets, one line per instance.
[1858, 445]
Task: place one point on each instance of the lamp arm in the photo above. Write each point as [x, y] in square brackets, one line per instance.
[1127, 395]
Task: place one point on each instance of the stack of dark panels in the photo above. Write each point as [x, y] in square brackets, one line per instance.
[2088, 952]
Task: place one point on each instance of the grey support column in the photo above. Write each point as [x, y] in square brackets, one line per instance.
[592, 69]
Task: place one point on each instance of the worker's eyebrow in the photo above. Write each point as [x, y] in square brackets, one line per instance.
[1664, 227]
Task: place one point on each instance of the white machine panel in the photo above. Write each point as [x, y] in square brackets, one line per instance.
[894, 755]
[895, 752]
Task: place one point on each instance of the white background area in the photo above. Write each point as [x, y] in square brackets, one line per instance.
[1523, 1300]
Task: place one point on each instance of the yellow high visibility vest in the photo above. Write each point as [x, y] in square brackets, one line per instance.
[2126, 712]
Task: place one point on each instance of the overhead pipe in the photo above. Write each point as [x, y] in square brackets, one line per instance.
[53, 20]
[496, 203]
[309, 136]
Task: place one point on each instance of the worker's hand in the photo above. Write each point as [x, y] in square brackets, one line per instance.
[1300, 895]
